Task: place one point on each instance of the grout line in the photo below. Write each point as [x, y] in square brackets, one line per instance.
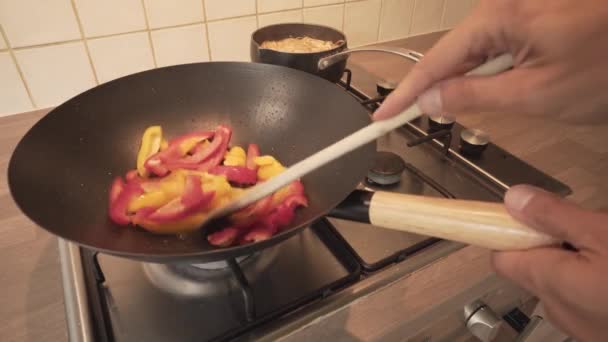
[443, 10]
[147, 22]
[19, 71]
[199, 22]
[344, 17]
[206, 30]
[46, 44]
[257, 15]
[379, 21]
[409, 31]
[86, 43]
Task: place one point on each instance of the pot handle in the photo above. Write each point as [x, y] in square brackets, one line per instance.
[412, 55]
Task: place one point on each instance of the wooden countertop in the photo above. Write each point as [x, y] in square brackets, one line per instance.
[31, 304]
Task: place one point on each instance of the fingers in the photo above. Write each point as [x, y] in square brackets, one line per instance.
[505, 92]
[550, 214]
[462, 48]
[537, 270]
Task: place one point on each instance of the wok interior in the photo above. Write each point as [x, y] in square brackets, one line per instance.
[61, 171]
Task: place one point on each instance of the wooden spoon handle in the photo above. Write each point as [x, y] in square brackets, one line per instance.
[477, 223]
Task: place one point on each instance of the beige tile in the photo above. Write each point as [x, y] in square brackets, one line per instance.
[162, 13]
[105, 17]
[180, 45]
[331, 16]
[2, 43]
[218, 9]
[395, 19]
[55, 73]
[117, 56]
[277, 5]
[308, 3]
[294, 16]
[229, 39]
[427, 16]
[361, 22]
[13, 96]
[454, 12]
[31, 22]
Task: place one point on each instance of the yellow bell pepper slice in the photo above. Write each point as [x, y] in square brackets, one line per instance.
[236, 156]
[153, 199]
[164, 144]
[150, 144]
[268, 167]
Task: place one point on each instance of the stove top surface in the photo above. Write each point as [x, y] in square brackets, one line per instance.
[132, 300]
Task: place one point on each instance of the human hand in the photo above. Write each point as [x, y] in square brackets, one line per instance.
[571, 285]
[560, 49]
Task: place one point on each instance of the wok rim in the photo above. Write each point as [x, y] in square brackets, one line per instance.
[216, 253]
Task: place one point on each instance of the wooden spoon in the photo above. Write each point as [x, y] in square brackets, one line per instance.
[483, 224]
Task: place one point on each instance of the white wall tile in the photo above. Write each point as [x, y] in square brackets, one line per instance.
[294, 16]
[308, 3]
[277, 5]
[218, 9]
[180, 45]
[31, 22]
[395, 19]
[122, 55]
[162, 13]
[427, 16]
[229, 39]
[55, 73]
[455, 11]
[103, 17]
[13, 96]
[361, 22]
[326, 15]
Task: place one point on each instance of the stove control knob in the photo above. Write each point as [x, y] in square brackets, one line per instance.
[385, 87]
[481, 321]
[473, 141]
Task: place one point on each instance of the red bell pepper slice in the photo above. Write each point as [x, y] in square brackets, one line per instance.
[236, 174]
[121, 195]
[258, 232]
[253, 151]
[204, 157]
[157, 163]
[192, 200]
[252, 213]
[224, 237]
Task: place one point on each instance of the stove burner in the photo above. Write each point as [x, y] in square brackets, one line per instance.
[385, 87]
[438, 123]
[387, 169]
[198, 280]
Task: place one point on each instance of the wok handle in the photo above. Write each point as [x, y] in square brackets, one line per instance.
[482, 224]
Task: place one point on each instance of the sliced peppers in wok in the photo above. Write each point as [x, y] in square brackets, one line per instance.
[178, 182]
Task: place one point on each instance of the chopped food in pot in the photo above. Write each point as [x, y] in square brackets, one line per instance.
[300, 45]
[178, 182]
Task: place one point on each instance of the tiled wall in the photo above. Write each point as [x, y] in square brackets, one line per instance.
[51, 50]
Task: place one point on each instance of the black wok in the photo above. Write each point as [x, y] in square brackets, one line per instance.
[61, 170]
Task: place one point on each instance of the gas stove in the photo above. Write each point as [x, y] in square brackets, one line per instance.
[110, 298]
